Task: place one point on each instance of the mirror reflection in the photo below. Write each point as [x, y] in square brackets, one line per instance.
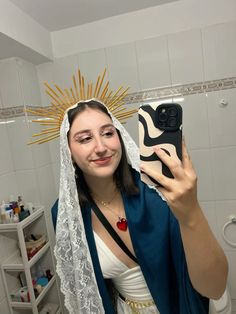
[188, 60]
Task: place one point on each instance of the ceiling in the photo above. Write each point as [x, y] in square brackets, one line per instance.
[55, 15]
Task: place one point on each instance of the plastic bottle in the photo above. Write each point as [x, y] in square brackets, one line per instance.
[3, 213]
[16, 218]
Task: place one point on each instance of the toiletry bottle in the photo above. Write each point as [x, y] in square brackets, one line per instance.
[21, 203]
[16, 218]
[3, 213]
[9, 214]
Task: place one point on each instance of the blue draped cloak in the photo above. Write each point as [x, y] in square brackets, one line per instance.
[157, 243]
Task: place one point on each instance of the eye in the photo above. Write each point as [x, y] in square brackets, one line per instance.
[84, 140]
[108, 133]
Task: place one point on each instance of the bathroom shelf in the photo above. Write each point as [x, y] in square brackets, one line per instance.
[27, 305]
[12, 227]
[17, 263]
[14, 262]
[45, 290]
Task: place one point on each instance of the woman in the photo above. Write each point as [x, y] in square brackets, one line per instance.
[174, 265]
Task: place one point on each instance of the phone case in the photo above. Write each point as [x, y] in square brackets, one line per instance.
[159, 124]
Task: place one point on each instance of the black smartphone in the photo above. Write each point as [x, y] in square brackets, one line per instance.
[159, 124]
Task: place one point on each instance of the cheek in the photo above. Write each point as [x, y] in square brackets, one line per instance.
[117, 146]
[78, 154]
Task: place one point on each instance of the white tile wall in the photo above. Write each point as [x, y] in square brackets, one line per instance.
[45, 74]
[18, 135]
[63, 70]
[29, 83]
[219, 50]
[46, 184]
[231, 256]
[8, 186]
[10, 89]
[6, 164]
[222, 124]
[224, 209]
[27, 185]
[122, 66]
[224, 172]
[195, 121]
[210, 214]
[56, 176]
[202, 164]
[54, 149]
[40, 152]
[92, 63]
[153, 62]
[186, 59]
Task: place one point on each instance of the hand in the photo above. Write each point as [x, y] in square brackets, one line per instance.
[180, 191]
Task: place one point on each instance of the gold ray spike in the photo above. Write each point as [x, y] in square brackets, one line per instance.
[50, 91]
[47, 123]
[73, 95]
[91, 90]
[106, 99]
[76, 88]
[100, 84]
[126, 114]
[96, 86]
[68, 96]
[80, 83]
[117, 98]
[44, 133]
[105, 90]
[65, 99]
[82, 87]
[44, 140]
[61, 99]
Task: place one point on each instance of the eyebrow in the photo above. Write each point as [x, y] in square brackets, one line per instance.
[88, 130]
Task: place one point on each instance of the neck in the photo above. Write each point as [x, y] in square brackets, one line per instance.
[101, 188]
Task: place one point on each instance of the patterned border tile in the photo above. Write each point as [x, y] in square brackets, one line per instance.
[181, 90]
[150, 94]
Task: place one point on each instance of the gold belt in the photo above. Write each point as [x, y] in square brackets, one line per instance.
[137, 305]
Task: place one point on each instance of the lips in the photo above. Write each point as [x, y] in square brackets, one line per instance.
[102, 161]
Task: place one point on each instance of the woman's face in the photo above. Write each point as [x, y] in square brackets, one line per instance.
[94, 144]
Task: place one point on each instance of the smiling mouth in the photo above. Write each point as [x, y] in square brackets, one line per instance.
[102, 161]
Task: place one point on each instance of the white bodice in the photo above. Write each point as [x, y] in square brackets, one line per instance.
[128, 281]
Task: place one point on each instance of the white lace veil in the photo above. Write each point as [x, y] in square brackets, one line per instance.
[74, 264]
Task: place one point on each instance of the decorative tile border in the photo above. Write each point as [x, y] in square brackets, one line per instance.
[150, 94]
[181, 90]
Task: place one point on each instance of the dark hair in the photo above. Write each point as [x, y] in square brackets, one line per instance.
[123, 176]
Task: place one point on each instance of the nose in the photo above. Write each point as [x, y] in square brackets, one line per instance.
[100, 147]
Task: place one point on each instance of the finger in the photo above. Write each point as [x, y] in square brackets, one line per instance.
[156, 175]
[173, 163]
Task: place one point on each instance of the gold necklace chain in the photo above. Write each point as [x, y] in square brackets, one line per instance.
[112, 211]
[104, 203]
[122, 221]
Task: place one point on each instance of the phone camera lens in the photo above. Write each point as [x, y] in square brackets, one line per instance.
[163, 117]
[172, 122]
[172, 112]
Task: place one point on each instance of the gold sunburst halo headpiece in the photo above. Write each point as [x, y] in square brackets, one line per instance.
[61, 100]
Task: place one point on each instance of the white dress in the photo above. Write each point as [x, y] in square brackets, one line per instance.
[129, 282]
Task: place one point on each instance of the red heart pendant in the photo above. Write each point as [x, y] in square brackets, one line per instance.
[122, 224]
